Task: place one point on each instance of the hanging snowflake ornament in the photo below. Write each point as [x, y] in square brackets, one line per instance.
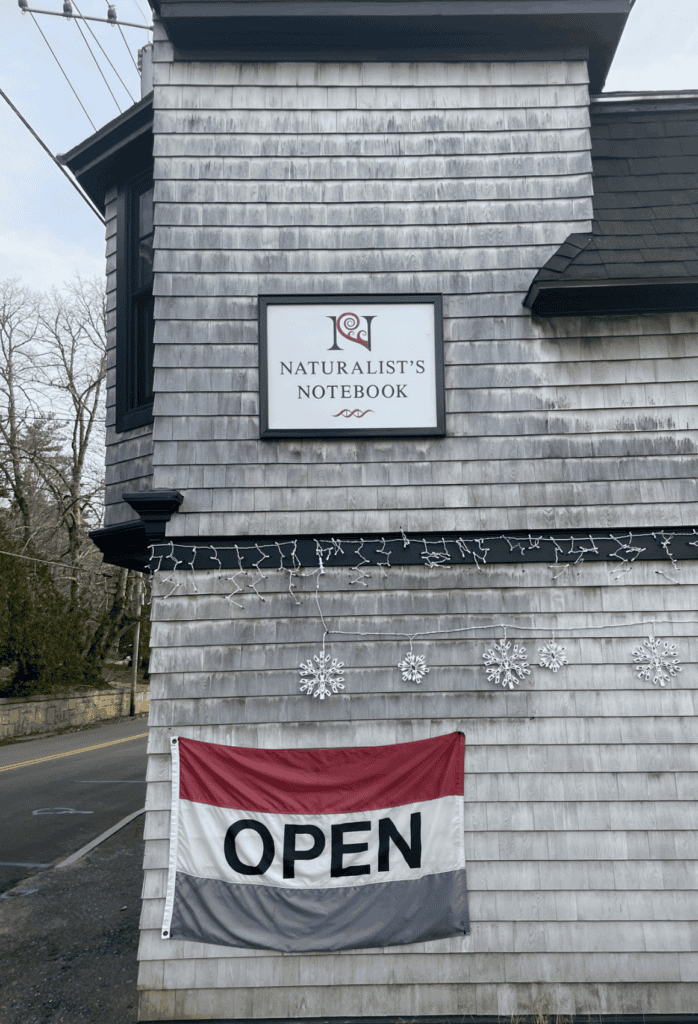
[553, 656]
[658, 663]
[322, 678]
[506, 669]
[413, 667]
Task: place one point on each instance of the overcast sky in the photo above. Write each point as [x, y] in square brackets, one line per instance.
[47, 233]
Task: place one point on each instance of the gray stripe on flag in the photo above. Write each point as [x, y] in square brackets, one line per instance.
[295, 920]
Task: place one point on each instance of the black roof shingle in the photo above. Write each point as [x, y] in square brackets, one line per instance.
[642, 251]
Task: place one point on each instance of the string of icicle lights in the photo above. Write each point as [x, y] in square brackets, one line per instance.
[434, 554]
[656, 660]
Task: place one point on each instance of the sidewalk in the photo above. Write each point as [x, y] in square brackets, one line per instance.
[69, 936]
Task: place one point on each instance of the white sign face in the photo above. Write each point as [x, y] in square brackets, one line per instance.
[351, 365]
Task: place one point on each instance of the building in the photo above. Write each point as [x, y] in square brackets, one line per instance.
[462, 150]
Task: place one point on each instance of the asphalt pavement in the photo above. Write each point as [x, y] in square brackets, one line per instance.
[69, 934]
[60, 792]
[69, 938]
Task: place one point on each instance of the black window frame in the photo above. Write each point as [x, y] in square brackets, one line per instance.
[133, 304]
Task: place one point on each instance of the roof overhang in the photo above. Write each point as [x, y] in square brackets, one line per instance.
[129, 544]
[124, 545]
[665, 296]
[263, 30]
[115, 153]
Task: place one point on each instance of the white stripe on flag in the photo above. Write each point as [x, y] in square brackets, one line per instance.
[202, 844]
[174, 835]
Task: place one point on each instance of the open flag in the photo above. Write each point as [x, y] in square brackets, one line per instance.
[327, 849]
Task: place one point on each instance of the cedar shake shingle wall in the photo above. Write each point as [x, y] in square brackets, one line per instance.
[580, 785]
[455, 178]
[129, 454]
[580, 810]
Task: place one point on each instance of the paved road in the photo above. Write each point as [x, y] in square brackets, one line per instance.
[69, 795]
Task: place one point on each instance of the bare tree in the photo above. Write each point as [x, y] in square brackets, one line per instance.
[74, 339]
[65, 609]
[18, 333]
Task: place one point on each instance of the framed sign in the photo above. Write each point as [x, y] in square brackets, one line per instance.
[351, 365]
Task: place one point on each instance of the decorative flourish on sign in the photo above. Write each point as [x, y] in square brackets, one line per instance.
[506, 669]
[347, 413]
[659, 662]
[413, 667]
[322, 678]
[553, 656]
[349, 326]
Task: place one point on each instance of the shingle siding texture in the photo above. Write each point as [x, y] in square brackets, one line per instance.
[580, 810]
[461, 179]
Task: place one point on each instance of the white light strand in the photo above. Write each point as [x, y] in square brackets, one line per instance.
[233, 579]
[362, 576]
[434, 555]
[257, 566]
[384, 566]
[176, 584]
[321, 674]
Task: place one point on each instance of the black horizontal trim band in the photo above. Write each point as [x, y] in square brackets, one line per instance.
[618, 547]
[465, 8]
[591, 298]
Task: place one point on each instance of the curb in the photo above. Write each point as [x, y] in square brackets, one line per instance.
[100, 839]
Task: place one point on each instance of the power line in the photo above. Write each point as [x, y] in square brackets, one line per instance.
[44, 561]
[94, 128]
[127, 47]
[61, 168]
[89, 27]
[142, 14]
[79, 28]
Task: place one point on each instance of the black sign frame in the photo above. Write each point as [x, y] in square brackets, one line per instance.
[432, 298]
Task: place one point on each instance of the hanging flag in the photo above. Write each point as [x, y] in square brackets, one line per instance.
[301, 850]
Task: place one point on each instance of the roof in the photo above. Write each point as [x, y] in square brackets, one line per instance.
[115, 153]
[393, 30]
[642, 251]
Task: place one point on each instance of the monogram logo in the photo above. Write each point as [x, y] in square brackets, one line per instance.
[348, 326]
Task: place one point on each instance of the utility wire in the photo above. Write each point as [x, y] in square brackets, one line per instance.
[44, 561]
[124, 38]
[79, 28]
[106, 55]
[94, 128]
[61, 168]
[127, 47]
[142, 14]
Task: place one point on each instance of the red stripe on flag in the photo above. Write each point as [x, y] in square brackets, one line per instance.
[326, 781]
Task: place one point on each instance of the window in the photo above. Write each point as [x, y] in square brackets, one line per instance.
[134, 319]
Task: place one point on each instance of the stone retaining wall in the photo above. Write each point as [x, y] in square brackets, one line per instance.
[43, 714]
